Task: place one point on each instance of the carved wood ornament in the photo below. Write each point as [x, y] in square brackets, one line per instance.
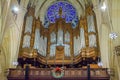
[85, 52]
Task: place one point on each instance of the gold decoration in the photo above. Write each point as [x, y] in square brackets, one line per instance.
[60, 23]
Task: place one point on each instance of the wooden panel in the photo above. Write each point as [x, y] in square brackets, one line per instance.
[69, 74]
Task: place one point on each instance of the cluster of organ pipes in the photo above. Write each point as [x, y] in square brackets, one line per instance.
[59, 37]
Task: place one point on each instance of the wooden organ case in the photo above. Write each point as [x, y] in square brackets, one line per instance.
[59, 44]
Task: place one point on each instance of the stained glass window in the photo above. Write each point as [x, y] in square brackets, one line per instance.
[68, 12]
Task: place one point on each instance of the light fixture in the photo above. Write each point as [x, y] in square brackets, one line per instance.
[15, 63]
[103, 7]
[113, 35]
[100, 64]
[15, 9]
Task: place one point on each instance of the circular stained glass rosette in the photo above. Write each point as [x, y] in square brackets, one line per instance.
[68, 13]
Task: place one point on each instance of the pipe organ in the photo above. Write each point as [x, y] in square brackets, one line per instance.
[59, 43]
[63, 47]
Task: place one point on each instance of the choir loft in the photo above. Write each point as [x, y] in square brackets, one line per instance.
[59, 40]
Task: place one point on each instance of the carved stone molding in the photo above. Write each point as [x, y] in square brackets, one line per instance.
[117, 50]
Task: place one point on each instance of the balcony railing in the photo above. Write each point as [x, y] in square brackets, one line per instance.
[69, 73]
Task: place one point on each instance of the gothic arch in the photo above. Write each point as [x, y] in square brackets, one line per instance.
[43, 8]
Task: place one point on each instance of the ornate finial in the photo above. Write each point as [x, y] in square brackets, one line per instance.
[60, 11]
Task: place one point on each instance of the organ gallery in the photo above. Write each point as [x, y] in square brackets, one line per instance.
[62, 40]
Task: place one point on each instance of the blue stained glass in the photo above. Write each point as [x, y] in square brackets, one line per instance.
[68, 12]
